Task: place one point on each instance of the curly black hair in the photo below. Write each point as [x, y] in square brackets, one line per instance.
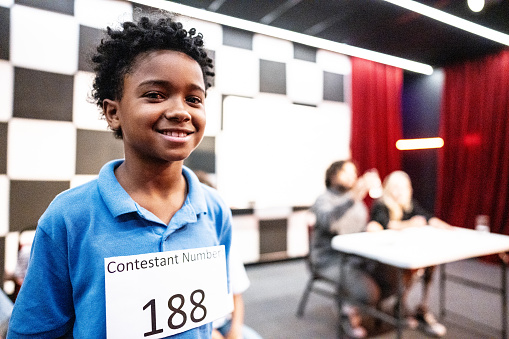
[117, 52]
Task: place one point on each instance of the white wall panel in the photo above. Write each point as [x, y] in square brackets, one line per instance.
[6, 3]
[41, 150]
[304, 82]
[297, 236]
[333, 62]
[213, 106]
[102, 13]
[86, 114]
[273, 49]
[237, 71]
[4, 205]
[78, 180]
[275, 154]
[212, 33]
[6, 90]
[44, 40]
[246, 238]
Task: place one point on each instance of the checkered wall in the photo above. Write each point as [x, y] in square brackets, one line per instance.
[51, 135]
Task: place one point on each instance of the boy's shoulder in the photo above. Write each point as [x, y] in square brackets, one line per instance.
[91, 189]
[77, 193]
[101, 192]
[75, 198]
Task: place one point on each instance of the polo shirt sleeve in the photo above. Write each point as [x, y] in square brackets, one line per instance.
[44, 307]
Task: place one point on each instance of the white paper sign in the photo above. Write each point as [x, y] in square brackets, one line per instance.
[156, 295]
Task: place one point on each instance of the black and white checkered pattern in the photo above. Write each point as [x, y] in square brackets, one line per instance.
[52, 137]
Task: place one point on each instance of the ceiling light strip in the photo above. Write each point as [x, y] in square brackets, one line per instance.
[452, 20]
[419, 143]
[288, 35]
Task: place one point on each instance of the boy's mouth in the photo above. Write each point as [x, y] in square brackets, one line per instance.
[177, 134]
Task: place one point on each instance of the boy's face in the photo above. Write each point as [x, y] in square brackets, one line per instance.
[161, 113]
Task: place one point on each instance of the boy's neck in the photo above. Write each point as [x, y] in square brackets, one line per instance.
[150, 177]
[160, 189]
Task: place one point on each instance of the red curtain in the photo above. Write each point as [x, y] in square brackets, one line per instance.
[473, 169]
[376, 115]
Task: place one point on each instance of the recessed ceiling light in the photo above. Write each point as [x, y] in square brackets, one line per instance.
[476, 5]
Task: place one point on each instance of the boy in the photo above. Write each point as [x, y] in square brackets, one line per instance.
[151, 81]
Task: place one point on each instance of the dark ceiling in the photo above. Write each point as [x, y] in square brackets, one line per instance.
[376, 25]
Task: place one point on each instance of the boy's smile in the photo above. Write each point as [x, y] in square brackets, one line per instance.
[161, 113]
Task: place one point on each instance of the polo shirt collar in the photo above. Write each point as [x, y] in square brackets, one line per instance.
[195, 195]
[119, 202]
[116, 198]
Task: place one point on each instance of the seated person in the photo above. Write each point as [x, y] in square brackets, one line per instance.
[341, 210]
[396, 209]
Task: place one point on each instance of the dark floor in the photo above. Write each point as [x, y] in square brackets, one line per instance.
[272, 300]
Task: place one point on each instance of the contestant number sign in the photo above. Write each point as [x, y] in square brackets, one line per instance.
[156, 295]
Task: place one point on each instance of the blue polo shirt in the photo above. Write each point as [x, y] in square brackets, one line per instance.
[64, 289]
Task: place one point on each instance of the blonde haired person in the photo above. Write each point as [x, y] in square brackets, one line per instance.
[396, 209]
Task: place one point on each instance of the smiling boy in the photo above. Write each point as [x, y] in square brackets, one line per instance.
[151, 82]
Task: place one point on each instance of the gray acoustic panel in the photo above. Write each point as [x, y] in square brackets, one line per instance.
[212, 54]
[42, 95]
[94, 149]
[237, 38]
[59, 6]
[89, 39]
[273, 235]
[2, 259]
[203, 158]
[5, 19]
[303, 52]
[272, 77]
[29, 200]
[333, 87]
[3, 148]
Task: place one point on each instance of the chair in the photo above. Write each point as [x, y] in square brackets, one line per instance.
[327, 287]
[316, 282]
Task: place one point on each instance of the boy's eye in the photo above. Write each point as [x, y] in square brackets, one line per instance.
[194, 100]
[154, 95]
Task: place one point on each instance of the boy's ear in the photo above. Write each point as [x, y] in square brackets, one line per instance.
[110, 110]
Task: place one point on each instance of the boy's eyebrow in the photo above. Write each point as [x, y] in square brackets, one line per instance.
[166, 83]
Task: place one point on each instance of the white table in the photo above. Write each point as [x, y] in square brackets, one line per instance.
[426, 246]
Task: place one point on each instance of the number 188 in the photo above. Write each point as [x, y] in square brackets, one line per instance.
[179, 300]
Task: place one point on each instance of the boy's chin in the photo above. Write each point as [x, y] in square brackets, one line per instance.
[179, 158]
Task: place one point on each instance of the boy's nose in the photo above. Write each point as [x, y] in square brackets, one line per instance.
[176, 111]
